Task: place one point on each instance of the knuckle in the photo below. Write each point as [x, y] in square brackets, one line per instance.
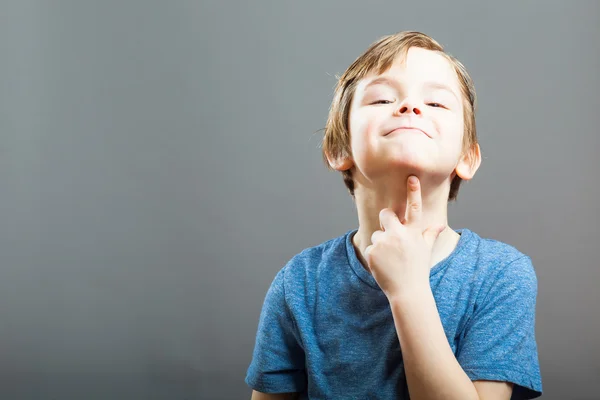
[382, 213]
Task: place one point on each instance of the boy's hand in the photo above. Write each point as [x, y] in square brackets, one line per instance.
[400, 254]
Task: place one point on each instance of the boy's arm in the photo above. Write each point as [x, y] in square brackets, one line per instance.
[493, 389]
[432, 371]
[274, 396]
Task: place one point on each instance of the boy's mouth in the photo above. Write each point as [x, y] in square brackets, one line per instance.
[406, 129]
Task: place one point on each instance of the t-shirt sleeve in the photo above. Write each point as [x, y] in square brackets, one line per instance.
[498, 341]
[278, 362]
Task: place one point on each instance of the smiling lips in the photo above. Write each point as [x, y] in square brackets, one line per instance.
[406, 129]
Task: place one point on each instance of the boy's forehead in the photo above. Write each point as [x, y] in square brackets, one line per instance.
[418, 65]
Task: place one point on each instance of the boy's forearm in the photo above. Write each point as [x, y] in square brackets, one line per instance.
[432, 371]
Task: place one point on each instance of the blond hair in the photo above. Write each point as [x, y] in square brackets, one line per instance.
[379, 57]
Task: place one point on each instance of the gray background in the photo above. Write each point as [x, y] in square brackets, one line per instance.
[159, 163]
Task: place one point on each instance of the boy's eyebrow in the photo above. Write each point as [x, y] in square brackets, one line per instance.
[428, 84]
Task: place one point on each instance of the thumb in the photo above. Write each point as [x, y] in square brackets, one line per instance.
[431, 234]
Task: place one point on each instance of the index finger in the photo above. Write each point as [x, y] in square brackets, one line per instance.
[413, 199]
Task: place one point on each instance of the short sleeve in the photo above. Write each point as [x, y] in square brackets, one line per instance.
[498, 341]
[278, 362]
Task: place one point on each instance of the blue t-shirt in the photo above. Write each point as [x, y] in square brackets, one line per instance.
[326, 328]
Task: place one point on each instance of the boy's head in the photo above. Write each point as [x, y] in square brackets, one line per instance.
[404, 80]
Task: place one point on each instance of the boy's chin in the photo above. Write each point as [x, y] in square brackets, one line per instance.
[406, 166]
[401, 172]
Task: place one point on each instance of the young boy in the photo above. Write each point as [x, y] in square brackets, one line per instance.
[403, 305]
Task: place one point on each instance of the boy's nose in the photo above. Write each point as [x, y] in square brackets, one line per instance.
[407, 106]
[409, 109]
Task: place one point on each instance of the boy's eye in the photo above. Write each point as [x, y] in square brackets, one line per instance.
[382, 102]
[435, 105]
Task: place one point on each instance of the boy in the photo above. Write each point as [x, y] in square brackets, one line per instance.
[403, 305]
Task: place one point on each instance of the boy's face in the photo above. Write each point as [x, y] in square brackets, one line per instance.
[422, 94]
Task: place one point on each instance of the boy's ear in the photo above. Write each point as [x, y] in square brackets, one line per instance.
[340, 163]
[469, 163]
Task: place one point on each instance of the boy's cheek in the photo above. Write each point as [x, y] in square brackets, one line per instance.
[450, 126]
[361, 133]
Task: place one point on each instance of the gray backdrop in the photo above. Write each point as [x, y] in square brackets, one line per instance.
[159, 164]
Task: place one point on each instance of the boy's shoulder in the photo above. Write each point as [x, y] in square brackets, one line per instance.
[496, 244]
[307, 263]
[496, 252]
[489, 260]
